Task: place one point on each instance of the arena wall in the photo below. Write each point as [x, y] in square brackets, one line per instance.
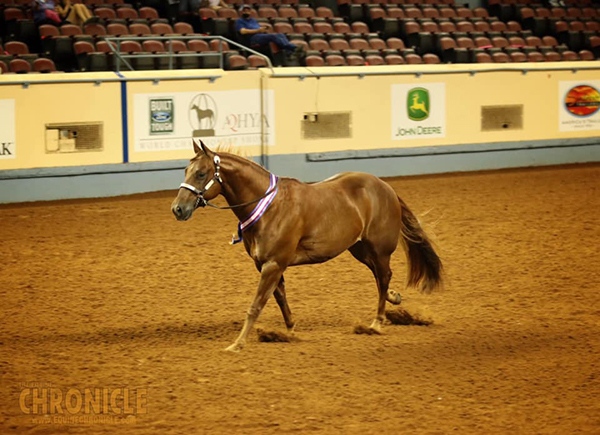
[316, 123]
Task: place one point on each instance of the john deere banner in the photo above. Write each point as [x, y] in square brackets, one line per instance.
[579, 106]
[166, 122]
[418, 112]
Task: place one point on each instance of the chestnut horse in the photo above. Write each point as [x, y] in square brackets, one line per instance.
[310, 223]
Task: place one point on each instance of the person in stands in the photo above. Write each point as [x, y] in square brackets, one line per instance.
[76, 13]
[252, 33]
[217, 4]
[44, 13]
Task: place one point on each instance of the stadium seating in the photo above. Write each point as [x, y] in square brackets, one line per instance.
[340, 32]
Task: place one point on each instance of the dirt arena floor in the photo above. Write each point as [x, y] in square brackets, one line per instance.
[115, 293]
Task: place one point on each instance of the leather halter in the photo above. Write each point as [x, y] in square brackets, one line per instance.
[200, 200]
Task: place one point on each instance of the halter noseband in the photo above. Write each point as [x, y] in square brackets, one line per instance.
[200, 200]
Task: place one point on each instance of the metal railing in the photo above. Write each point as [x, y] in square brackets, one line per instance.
[420, 72]
[98, 81]
[114, 43]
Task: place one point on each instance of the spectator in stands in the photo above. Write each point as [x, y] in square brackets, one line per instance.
[44, 13]
[252, 33]
[76, 13]
[217, 4]
[192, 6]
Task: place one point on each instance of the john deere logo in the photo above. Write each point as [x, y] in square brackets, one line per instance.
[417, 104]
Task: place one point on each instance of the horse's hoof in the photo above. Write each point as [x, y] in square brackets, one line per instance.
[375, 327]
[292, 329]
[394, 297]
[235, 348]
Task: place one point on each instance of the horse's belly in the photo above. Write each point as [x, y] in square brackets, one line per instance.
[323, 247]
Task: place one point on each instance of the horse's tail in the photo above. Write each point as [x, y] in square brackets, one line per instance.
[424, 265]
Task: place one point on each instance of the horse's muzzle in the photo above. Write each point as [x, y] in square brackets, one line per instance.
[182, 213]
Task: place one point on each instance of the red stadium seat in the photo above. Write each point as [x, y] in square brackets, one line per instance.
[161, 29]
[236, 62]
[148, 12]
[44, 65]
[198, 45]
[70, 30]
[355, 60]
[183, 28]
[94, 29]
[313, 60]
[127, 14]
[394, 59]
[105, 13]
[20, 66]
[16, 48]
[117, 29]
[255, 61]
[139, 29]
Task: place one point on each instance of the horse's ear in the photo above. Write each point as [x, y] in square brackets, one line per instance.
[196, 147]
[205, 149]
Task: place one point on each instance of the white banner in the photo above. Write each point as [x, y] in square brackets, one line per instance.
[418, 112]
[167, 121]
[8, 146]
[578, 106]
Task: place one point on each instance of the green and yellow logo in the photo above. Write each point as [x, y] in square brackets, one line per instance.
[417, 104]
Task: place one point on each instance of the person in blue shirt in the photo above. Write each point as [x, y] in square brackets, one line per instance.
[39, 11]
[253, 33]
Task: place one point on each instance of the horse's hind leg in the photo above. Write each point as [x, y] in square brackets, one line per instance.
[383, 275]
[283, 305]
[380, 266]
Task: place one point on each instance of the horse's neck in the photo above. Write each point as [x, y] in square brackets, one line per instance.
[243, 181]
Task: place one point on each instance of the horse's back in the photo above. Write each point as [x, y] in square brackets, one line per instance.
[358, 193]
[371, 187]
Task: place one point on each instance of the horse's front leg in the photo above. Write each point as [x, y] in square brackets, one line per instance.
[281, 299]
[270, 275]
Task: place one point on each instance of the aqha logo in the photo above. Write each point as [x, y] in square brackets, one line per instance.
[244, 122]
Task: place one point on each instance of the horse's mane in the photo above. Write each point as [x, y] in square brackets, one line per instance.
[230, 149]
[237, 153]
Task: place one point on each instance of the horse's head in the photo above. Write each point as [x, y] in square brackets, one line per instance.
[202, 183]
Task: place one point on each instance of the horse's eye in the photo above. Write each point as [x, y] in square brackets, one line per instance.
[200, 174]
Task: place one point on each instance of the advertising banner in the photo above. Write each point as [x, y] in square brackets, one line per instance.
[167, 121]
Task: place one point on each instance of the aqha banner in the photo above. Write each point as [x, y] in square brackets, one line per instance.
[167, 121]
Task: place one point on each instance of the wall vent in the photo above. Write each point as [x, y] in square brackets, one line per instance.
[327, 125]
[495, 118]
[74, 137]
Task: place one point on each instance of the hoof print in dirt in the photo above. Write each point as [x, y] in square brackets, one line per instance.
[274, 337]
[361, 329]
[403, 317]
